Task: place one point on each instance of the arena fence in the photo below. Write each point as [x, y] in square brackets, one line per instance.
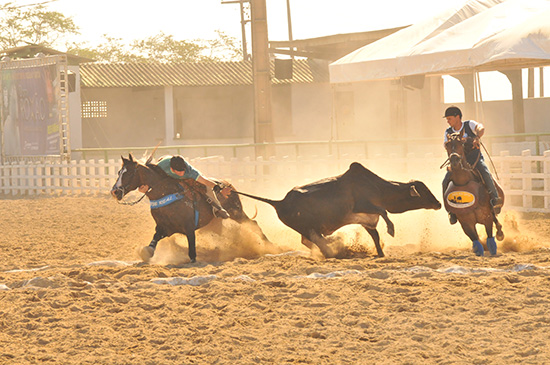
[524, 178]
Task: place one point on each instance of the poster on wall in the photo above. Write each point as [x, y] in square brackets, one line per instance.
[29, 111]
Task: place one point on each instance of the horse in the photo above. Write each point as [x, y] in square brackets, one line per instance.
[177, 208]
[467, 197]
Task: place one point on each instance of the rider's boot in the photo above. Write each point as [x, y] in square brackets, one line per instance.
[452, 218]
[496, 204]
[216, 206]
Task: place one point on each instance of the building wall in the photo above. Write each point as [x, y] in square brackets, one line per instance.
[204, 115]
[133, 117]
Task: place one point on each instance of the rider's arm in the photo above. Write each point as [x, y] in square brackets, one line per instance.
[206, 182]
[480, 130]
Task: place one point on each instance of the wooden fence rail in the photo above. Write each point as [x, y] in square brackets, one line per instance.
[525, 178]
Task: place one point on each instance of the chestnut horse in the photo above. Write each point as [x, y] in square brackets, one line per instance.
[177, 208]
[467, 197]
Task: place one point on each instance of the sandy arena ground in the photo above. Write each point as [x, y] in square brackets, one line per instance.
[72, 291]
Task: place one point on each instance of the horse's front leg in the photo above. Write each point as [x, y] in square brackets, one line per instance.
[468, 224]
[147, 252]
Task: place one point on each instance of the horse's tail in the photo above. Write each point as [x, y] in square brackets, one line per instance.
[273, 203]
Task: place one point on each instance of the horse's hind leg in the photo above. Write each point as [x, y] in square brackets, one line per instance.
[191, 244]
[500, 234]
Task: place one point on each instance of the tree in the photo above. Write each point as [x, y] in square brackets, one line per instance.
[161, 48]
[22, 25]
[33, 25]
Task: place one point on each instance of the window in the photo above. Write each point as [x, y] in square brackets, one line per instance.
[94, 109]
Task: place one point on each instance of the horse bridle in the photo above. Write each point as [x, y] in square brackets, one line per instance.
[123, 188]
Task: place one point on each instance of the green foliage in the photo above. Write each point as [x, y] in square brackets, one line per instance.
[161, 48]
[20, 26]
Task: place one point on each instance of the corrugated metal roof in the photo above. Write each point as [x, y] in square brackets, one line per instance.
[191, 74]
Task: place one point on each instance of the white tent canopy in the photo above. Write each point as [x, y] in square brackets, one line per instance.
[481, 35]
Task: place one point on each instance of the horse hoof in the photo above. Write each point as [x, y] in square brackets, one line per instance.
[193, 261]
[146, 253]
[500, 236]
[492, 245]
[478, 248]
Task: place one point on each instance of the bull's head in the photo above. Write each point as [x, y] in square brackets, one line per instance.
[128, 178]
[418, 190]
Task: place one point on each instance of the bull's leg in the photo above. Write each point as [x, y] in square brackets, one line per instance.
[306, 242]
[319, 241]
[376, 238]
[191, 243]
[365, 207]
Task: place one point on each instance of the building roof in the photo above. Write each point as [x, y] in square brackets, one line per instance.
[330, 47]
[31, 50]
[191, 74]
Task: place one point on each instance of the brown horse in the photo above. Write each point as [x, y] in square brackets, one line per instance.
[467, 197]
[176, 208]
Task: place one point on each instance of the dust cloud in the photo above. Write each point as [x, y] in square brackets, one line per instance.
[419, 231]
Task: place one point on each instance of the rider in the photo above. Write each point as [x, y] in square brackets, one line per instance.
[177, 168]
[470, 128]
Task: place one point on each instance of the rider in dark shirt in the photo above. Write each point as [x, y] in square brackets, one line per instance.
[475, 130]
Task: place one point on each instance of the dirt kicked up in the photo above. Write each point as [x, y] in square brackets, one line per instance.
[73, 291]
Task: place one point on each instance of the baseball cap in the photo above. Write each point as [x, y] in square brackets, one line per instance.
[452, 111]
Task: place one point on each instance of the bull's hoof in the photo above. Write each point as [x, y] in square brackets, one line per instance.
[192, 261]
[478, 248]
[492, 245]
[391, 230]
[146, 253]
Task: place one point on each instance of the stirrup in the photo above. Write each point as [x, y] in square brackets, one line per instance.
[221, 213]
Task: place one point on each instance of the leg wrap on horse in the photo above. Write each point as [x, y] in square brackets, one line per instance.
[156, 238]
[492, 245]
[478, 248]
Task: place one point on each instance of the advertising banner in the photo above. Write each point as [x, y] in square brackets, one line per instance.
[29, 111]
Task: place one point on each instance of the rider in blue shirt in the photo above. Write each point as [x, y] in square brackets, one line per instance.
[475, 130]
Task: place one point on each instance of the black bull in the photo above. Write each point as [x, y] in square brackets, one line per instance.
[358, 196]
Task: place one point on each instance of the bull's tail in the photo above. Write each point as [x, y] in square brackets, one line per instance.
[273, 203]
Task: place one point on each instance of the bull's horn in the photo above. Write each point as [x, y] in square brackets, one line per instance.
[414, 192]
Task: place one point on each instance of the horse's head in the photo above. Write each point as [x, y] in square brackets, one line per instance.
[455, 148]
[128, 178]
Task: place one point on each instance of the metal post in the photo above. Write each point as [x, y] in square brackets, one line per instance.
[289, 21]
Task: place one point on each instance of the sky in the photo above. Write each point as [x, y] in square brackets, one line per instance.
[200, 19]
[194, 19]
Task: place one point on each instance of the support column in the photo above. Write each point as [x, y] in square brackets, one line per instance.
[514, 76]
[169, 125]
[467, 82]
